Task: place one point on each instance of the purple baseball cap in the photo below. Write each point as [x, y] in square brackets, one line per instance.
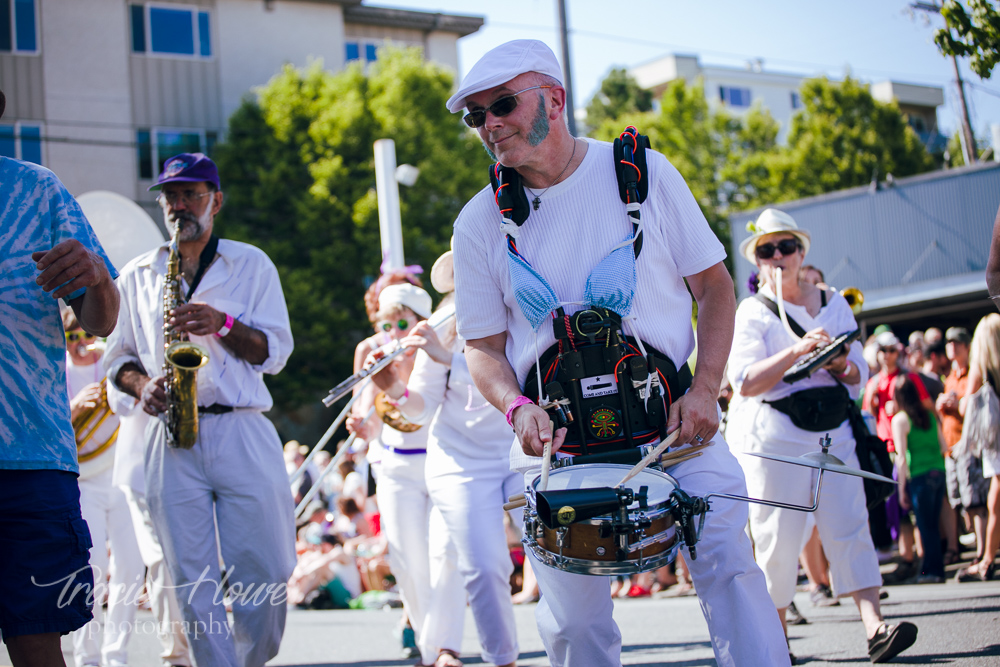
[188, 167]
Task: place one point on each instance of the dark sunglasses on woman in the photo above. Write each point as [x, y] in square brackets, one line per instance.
[500, 108]
[786, 246]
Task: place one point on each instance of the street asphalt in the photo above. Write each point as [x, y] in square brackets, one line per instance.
[959, 625]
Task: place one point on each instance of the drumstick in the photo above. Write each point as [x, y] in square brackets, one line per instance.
[516, 496]
[514, 504]
[543, 484]
[649, 458]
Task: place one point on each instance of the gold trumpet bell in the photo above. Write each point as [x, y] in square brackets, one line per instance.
[391, 416]
[855, 298]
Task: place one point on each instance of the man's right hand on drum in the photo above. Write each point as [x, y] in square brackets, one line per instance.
[533, 428]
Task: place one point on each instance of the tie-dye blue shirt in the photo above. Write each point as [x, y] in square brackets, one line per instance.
[36, 213]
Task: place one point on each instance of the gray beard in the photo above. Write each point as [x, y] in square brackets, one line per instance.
[538, 132]
[191, 227]
[540, 125]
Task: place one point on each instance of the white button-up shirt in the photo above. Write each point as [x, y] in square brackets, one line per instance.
[242, 282]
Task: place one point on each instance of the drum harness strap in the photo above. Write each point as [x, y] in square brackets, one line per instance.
[618, 397]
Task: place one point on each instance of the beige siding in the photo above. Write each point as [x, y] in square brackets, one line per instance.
[174, 92]
[381, 33]
[23, 83]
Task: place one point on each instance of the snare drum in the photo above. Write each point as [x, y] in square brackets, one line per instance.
[591, 546]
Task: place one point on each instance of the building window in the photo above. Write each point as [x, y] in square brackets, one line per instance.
[157, 145]
[18, 26]
[734, 97]
[355, 50]
[170, 30]
[22, 141]
[796, 101]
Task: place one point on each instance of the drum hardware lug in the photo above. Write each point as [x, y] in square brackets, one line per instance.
[690, 519]
[605, 530]
[561, 534]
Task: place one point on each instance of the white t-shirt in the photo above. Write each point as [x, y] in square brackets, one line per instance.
[578, 223]
[755, 426]
[463, 423]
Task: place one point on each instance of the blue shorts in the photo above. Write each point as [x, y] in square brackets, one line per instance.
[46, 584]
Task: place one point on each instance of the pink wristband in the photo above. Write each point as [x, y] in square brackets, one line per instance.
[398, 401]
[227, 327]
[515, 404]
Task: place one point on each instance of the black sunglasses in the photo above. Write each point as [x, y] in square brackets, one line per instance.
[500, 108]
[786, 246]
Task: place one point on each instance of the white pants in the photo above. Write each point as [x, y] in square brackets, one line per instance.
[470, 494]
[233, 478]
[842, 518]
[159, 585]
[106, 512]
[414, 532]
[575, 613]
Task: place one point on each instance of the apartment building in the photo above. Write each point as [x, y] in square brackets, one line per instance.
[103, 91]
[737, 90]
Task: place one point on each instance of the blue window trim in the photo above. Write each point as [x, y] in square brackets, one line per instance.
[20, 28]
[20, 133]
[201, 31]
[726, 95]
[148, 156]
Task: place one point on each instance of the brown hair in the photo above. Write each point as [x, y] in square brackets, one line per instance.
[908, 399]
[347, 506]
[70, 323]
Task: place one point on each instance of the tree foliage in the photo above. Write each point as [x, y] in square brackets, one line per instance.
[843, 138]
[619, 95]
[972, 32]
[298, 174]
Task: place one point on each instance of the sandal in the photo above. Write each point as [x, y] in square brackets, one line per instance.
[447, 658]
[951, 557]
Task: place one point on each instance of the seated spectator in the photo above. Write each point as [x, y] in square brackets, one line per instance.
[350, 521]
[325, 564]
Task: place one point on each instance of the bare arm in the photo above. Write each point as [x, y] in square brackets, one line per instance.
[497, 382]
[993, 263]
[696, 413]
[150, 392]
[71, 265]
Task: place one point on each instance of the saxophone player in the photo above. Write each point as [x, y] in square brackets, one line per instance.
[232, 306]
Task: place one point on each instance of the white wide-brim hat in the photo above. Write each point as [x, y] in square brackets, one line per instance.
[407, 295]
[502, 64]
[771, 221]
[443, 273]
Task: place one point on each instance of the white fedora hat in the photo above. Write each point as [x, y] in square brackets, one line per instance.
[771, 221]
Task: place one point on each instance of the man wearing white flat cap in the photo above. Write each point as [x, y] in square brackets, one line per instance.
[577, 250]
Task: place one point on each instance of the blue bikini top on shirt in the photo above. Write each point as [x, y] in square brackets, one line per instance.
[610, 285]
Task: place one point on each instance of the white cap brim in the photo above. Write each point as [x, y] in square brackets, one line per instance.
[504, 63]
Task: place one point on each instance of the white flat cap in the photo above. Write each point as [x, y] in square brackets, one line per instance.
[502, 64]
[407, 295]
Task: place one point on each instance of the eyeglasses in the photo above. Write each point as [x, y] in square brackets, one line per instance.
[387, 326]
[785, 246]
[187, 197]
[73, 336]
[500, 108]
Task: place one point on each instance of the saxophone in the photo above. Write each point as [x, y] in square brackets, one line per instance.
[181, 360]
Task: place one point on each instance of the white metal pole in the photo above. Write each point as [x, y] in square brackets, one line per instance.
[389, 220]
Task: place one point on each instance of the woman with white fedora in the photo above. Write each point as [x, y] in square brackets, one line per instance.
[774, 417]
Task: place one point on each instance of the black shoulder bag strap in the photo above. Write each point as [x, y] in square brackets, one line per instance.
[207, 255]
[773, 307]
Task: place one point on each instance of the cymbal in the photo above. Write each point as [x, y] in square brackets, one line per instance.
[824, 461]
